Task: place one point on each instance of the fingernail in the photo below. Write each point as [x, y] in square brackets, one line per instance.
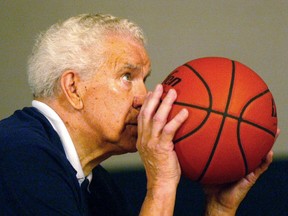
[148, 94]
[172, 92]
[158, 87]
[184, 112]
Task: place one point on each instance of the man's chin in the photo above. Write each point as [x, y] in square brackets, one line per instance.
[128, 139]
[123, 149]
[129, 144]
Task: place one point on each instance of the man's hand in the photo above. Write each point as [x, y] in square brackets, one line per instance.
[156, 149]
[225, 199]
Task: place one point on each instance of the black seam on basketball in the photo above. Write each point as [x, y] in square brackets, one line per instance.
[222, 123]
[241, 148]
[193, 131]
[204, 82]
[259, 127]
[255, 125]
[197, 128]
[221, 113]
[246, 106]
[208, 109]
[205, 109]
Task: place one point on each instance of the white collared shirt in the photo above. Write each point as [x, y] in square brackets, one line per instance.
[65, 138]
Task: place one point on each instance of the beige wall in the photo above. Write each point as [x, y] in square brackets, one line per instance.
[252, 32]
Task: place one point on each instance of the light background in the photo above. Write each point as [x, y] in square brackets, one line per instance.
[252, 32]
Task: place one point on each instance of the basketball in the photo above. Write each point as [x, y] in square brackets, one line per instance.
[232, 119]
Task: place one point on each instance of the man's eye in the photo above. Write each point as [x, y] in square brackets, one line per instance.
[127, 76]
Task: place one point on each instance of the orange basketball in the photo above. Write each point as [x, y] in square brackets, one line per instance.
[232, 119]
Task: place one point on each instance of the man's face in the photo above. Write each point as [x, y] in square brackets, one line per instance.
[113, 97]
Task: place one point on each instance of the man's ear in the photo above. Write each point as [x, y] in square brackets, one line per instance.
[70, 81]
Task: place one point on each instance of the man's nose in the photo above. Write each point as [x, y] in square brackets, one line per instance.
[139, 95]
[138, 101]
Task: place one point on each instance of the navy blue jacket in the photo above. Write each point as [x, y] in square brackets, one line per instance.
[37, 179]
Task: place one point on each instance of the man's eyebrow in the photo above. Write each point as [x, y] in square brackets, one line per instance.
[135, 67]
[130, 66]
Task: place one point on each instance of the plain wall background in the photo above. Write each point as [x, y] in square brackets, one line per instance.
[252, 32]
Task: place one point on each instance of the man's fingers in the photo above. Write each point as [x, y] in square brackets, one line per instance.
[150, 105]
[161, 115]
[265, 164]
[252, 177]
[147, 111]
[277, 133]
[171, 127]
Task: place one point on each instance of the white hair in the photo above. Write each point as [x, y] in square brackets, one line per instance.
[70, 45]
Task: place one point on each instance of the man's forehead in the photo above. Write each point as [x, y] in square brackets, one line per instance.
[134, 66]
[127, 54]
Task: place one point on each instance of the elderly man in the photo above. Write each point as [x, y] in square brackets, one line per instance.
[87, 75]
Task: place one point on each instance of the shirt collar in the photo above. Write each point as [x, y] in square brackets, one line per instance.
[65, 138]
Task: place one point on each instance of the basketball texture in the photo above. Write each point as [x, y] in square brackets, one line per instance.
[232, 119]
